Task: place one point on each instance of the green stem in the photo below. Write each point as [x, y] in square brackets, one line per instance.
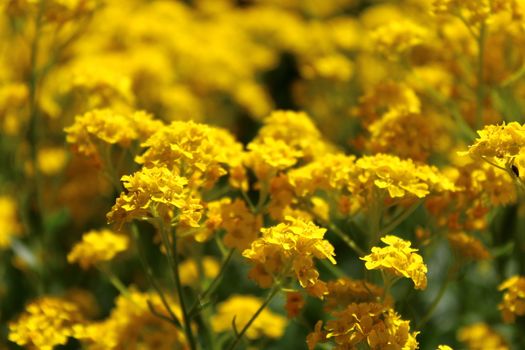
[514, 77]
[374, 216]
[174, 264]
[115, 281]
[151, 279]
[334, 270]
[214, 284]
[276, 288]
[337, 231]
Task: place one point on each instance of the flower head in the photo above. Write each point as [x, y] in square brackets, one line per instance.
[46, 322]
[199, 152]
[156, 192]
[499, 144]
[109, 127]
[372, 324]
[289, 248]
[513, 303]
[398, 259]
[467, 246]
[96, 247]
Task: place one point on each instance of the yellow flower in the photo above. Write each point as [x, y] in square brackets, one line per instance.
[267, 156]
[480, 336]
[288, 249]
[499, 144]
[399, 259]
[189, 271]
[132, 325]
[407, 135]
[156, 193]
[444, 347]
[400, 178]
[397, 37]
[365, 324]
[467, 246]
[96, 247]
[242, 227]
[345, 291]
[241, 308]
[199, 152]
[107, 126]
[9, 224]
[46, 322]
[474, 11]
[296, 129]
[513, 303]
[51, 160]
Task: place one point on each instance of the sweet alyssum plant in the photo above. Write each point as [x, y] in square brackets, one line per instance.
[382, 212]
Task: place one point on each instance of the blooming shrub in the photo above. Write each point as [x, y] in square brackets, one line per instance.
[277, 174]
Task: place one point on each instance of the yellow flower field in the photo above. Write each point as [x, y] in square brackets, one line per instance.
[262, 174]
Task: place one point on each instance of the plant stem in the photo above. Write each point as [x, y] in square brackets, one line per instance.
[214, 284]
[338, 232]
[174, 264]
[450, 275]
[151, 279]
[334, 270]
[276, 288]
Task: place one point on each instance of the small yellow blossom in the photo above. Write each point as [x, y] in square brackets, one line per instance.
[499, 144]
[345, 291]
[9, 223]
[110, 127]
[199, 152]
[241, 308]
[189, 271]
[46, 322]
[513, 303]
[368, 324]
[131, 325]
[397, 37]
[467, 246]
[241, 225]
[479, 336]
[401, 177]
[96, 247]
[288, 249]
[51, 160]
[156, 192]
[444, 347]
[399, 259]
[296, 129]
[474, 11]
[268, 156]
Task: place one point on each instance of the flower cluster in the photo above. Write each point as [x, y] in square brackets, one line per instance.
[513, 303]
[109, 127]
[97, 247]
[156, 192]
[46, 323]
[365, 324]
[399, 259]
[289, 248]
